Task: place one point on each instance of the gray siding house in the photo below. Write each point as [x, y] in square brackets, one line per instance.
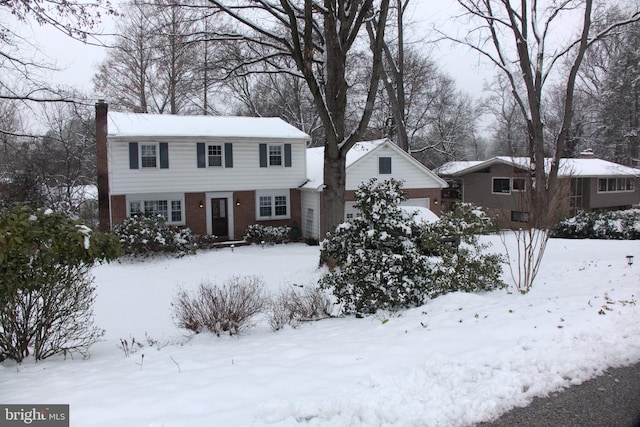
[500, 184]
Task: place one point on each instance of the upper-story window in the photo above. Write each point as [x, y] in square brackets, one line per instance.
[615, 184]
[148, 155]
[501, 186]
[384, 165]
[215, 155]
[275, 155]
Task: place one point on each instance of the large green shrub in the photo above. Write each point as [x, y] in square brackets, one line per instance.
[46, 292]
[386, 259]
[258, 233]
[460, 261]
[145, 235]
[377, 261]
[612, 225]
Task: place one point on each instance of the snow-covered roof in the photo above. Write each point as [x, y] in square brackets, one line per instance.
[315, 160]
[585, 168]
[134, 125]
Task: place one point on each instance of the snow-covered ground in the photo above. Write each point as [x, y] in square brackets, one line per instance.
[458, 360]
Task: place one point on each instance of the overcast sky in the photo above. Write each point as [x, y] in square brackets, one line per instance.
[78, 61]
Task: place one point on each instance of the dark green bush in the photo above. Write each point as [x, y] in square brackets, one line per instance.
[612, 225]
[46, 291]
[271, 235]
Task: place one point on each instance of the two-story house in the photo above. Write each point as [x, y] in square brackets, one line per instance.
[215, 175]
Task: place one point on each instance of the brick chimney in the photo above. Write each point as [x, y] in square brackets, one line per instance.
[104, 212]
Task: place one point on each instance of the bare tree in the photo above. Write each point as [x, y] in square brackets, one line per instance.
[321, 38]
[517, 38]
[25, 78]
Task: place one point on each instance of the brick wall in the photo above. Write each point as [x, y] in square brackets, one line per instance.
[118, 209]
[195, 216]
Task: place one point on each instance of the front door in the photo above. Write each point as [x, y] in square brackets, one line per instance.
[219, 219]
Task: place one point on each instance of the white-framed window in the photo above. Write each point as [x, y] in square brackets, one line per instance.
[384, 165]
[148, 155]
[501, 185]
[275, 155]
[507, 185]
[609, 185]
[215, 155]
[273, 204]
[170, 207]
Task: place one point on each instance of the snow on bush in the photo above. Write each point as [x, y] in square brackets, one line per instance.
[613, 225]
[385, 260]
[258, 233]
[378, 264]
[292, 306]
[461, 262]
[145, 235]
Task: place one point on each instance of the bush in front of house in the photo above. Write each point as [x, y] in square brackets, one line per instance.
[386, 260]
[300, 304]
[460, 261]
[375, 257]
[145, 235]
[46, 289]
[613, 225]
[227, 309]
[268, 234]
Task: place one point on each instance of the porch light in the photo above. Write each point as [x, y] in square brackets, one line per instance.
[629, 260]
[201, 205]
[237, 202]
[435, 201]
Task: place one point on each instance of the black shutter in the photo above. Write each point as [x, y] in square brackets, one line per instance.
[287, 155]
[164, 155]
[201, 158]
[263, 155]
[228, 155]
[133, 155]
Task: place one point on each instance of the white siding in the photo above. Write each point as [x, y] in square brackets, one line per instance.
[310, 201]
[183, 175]
[401, 169]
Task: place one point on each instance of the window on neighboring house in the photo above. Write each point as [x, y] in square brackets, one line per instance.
[517, 216]
[273, 204]
[519, 184]
[309, 219]
[615, 184]
[349, 216]
[215, 155]
[275, 155]
[384, 165]
[148, 155]
[501, 186]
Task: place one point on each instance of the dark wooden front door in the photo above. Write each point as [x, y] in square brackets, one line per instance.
[219, 219]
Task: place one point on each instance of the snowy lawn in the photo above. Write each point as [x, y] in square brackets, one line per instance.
[458, 360]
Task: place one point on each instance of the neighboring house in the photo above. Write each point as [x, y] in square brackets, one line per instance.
[381, 159]
[500, 184]
[215, 175]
